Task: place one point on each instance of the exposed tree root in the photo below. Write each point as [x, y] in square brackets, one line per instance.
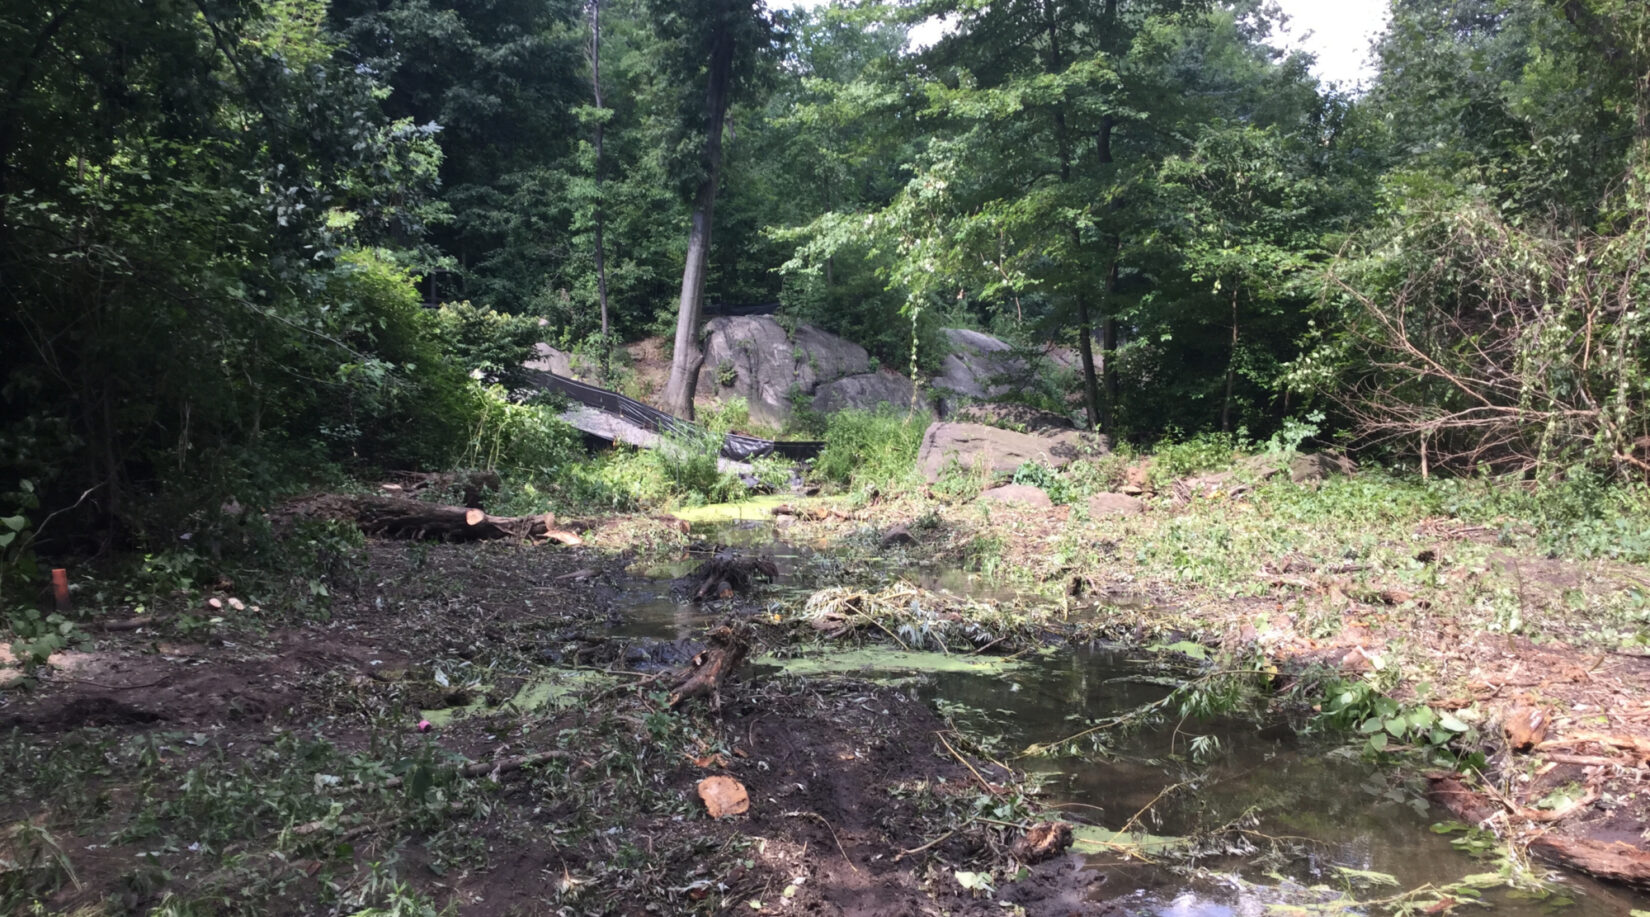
[704, 677]
[728, 573]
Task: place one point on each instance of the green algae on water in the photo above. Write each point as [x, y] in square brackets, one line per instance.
[755, 509]
[889, 661]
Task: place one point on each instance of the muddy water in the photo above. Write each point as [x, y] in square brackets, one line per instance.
[1331, 810]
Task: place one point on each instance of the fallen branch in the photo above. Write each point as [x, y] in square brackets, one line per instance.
[493, 769]
[1614, 861]
[472, 485]
[1593, 760]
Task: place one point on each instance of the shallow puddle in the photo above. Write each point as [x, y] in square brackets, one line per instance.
[1341, 817]
[1342, 820]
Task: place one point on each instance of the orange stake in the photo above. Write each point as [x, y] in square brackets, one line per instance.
[60, 588]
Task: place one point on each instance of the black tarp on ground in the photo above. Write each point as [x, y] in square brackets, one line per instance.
[734, 446]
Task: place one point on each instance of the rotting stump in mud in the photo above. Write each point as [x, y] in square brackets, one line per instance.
[726, 647]
[728, 573]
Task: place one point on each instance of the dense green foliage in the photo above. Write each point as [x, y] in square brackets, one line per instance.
[249, 245]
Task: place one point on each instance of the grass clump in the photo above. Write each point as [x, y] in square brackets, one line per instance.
[870, 449]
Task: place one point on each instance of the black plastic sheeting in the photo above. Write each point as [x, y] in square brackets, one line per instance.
[734, 446]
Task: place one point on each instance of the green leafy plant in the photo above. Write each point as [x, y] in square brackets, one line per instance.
[17, 563]
[1385, 723]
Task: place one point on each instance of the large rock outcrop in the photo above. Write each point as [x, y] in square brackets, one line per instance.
[1000, 452]
[755, 358]
[548, 359]
[867, 392]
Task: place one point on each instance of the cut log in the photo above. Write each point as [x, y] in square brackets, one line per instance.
[403, 517]
[1613, 861]
[709, 670]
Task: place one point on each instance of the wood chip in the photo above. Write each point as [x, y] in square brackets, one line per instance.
[724, 796]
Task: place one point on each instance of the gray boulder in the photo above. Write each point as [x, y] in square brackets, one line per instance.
[751, 356]
[867, 392]
[999, 451]
[547, 359]
[975, 365]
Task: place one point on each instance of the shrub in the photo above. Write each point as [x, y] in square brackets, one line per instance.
[527, 439]
[1203, 452]
[870, 448]
[491, 343]
[397, 402]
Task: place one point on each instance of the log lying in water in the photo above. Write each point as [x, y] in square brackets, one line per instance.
[403, 517]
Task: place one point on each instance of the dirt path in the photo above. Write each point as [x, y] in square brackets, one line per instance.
[267, 766]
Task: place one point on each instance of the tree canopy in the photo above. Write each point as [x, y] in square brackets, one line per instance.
[225, 225]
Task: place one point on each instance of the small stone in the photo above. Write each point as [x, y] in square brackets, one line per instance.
[898, 535]
[1526, 727]
[1019, 493]
[215, 603]
[237, 604]
[724, 796]
[1115, 505]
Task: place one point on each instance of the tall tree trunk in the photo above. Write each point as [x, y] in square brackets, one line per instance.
[687, 358]
[1085, 323]
[601, 203]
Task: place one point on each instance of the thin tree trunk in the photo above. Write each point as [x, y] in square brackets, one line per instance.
[601, 203]
[687, 358]
[1085, 347]
[1231, 369]
[1108, 324]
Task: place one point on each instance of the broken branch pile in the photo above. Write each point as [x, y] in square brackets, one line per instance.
[914, 617]
[471, 485]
